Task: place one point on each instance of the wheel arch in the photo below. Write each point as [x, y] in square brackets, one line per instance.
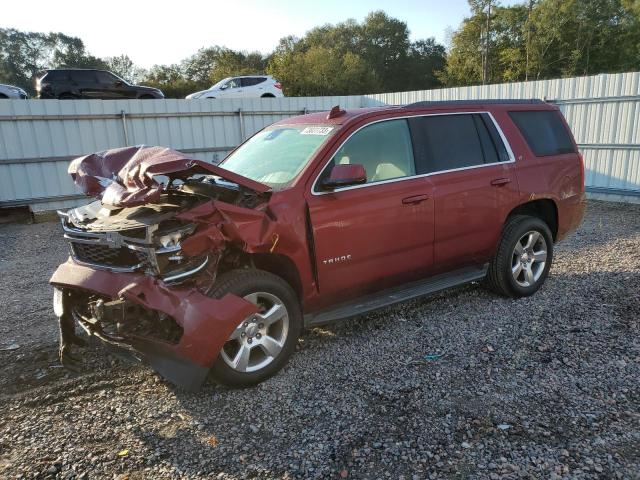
[281, 266]
[267, 95]
[544, 208]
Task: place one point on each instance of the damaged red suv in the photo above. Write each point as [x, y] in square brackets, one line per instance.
[203, 269]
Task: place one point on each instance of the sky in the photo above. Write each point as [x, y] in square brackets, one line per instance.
[163, 32]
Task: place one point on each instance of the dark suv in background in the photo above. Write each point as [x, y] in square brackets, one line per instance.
[75, 83]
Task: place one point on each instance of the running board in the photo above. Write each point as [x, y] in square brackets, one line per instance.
[394, 295]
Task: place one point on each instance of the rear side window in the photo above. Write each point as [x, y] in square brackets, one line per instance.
[449, 142]
[251, 81]
[55, 76]
[544, 131]
[84, 76]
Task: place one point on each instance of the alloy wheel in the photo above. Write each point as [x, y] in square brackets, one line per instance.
[529, 258]
[259, 338]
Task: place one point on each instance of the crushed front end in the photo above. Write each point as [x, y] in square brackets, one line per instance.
[144, 257]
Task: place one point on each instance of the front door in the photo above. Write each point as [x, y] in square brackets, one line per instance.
[380, 234]
[232, 89]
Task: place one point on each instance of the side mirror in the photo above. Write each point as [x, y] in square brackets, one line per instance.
[224, 87]
[345, 175]
[119, 83]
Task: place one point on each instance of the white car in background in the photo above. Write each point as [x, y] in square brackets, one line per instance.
[248, 86]
[9, 91]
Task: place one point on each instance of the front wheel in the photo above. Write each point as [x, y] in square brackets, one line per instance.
[262, 343]
[523, 259]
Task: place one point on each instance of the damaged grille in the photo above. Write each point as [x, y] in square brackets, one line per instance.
[133, 250]
[122, 257]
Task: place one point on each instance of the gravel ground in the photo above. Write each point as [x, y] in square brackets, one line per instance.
[460, 385]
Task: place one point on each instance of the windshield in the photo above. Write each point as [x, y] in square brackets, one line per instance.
[277, 155]
[220, 83]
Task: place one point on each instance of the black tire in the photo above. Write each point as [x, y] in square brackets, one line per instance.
[3, 96]
[147, 97]
[500, 276]
[67, 96]
[245, 282]
[268, 95]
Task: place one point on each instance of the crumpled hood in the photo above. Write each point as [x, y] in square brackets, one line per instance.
[123, 177]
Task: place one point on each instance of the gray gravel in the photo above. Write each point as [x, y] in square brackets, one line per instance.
[461, 385]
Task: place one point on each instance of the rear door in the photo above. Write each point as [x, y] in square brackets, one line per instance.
[380, 234]
[474, 184]
[252, 86]
[87, 83]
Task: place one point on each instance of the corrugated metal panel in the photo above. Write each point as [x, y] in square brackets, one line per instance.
[39, 137]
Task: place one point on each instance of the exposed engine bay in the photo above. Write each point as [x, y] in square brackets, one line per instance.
[144, 256]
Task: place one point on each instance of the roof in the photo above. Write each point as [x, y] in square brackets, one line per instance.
[491, 101]
[321, 117]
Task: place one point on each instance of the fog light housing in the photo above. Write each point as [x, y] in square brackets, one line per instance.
[58, 302]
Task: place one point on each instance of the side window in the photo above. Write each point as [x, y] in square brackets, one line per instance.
[446, 142]
[501, 150]
[251, 81]
[544, 131]
[105, 78]
[383, 148]
[233, 83]
[83, 76]
[55, 76]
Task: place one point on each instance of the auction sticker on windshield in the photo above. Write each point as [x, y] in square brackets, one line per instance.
[316, 131]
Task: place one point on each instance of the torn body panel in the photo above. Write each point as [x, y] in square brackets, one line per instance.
[124, 177]
[146, 254]
[206, 323]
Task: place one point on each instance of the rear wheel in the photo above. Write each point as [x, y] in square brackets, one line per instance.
[262, 343]
[66, 96]
[3, 96]
[268, 95]
[524, 256]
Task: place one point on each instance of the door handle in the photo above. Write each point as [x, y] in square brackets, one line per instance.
[415, 199]
[500, 181]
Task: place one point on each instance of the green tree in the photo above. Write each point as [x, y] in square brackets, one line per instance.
[171, 80]
[352, 58]
[124, 67]
[24, 55]
[546, 39]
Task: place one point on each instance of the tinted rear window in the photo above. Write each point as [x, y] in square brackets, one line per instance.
[544, 131]
[55, 76]
[251, 81]
[83, 76]
[445, 142]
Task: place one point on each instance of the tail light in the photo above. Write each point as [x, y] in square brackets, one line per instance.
[582, 179]
[278, 85]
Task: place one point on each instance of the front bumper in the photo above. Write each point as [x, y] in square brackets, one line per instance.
[206, 323]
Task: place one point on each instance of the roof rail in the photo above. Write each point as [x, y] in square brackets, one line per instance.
[435, 103]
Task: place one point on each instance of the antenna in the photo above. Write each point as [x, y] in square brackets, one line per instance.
[335, 112]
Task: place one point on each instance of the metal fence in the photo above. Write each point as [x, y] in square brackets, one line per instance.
[38, 138]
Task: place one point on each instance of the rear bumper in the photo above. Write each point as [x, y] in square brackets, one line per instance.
[206, 323]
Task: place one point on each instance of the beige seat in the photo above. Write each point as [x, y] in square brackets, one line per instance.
[387, 171]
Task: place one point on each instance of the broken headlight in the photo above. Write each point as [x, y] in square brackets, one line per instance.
[173, 264]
